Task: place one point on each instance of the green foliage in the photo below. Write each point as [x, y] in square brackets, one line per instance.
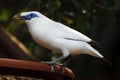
[117, 4]
[53, 5]
[4, 15]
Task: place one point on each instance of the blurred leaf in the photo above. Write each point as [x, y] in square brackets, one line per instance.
[53, 5]
[117, 4]
[68, 20]
[14, 25]
[4, 15]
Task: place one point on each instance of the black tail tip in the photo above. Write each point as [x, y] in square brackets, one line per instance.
[108, 61]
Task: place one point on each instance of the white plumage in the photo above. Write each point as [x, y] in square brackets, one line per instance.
[57, 37]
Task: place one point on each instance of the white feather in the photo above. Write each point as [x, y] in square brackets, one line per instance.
[58, 37]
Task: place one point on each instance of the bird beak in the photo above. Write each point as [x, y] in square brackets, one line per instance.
[18, 17]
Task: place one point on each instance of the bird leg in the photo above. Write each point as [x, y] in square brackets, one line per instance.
[54, 62]
[65, 61]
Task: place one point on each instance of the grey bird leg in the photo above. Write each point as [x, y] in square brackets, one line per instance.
[65, 57]
[62, 66]
[51, 63]
[65, 61]
[54, 62]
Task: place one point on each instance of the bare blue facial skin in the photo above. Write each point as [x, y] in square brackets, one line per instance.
[29, 16]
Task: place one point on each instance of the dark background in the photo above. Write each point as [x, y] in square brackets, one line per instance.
[98, 19]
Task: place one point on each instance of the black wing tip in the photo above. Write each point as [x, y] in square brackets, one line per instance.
[94, 43]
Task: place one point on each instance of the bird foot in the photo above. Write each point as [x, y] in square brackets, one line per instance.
[52, 64]
[62, 66]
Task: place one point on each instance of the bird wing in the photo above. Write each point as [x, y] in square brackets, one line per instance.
[70, 34]
[59, 30]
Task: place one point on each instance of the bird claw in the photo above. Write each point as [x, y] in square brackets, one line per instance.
[52, 63]
[63, 67]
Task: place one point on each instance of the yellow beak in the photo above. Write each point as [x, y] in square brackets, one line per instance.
[17, 17]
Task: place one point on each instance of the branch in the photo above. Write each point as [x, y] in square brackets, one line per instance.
[12, 47]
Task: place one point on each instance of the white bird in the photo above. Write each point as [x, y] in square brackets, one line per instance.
[57, 37]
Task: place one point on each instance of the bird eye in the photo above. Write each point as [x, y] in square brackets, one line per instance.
[32, 15]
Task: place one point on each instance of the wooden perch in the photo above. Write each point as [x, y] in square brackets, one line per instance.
[33, 69]
[12, 47]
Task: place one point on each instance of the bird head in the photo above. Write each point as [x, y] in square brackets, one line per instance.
[28, 15]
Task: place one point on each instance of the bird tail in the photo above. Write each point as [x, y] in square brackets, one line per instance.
[95, 53]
